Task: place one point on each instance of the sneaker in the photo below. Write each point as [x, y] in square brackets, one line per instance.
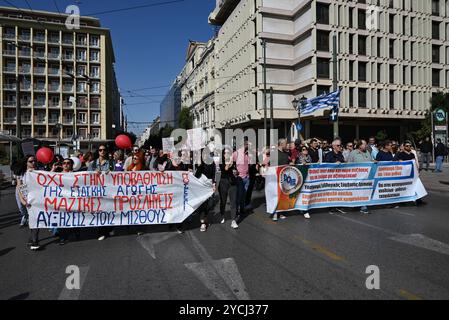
[234, 224]
[364, 211]
[223, 220]
[307, 215]
[179, 230]
[282, 217]
[35, 247]
[275, 217]
[203, 227]
[101, 238]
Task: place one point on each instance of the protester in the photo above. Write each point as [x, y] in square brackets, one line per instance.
[394, 148]
[87, 160]
[138, 162]
[241, 159]
[206, 168]
[314, 151]
[385, 153]
[361, 155]
[28, 166]
[372, 147]
[349, 148]
[152, 158]
[118, 161]
[129, 158]
[425, 149]
[162, 162]
[440, 153]
[227, 187]
[304, 157]
[406, 153]
[335, 156]
[283, 157]
[253, 171]
[102, 165]
[295, 150]
[20, 168]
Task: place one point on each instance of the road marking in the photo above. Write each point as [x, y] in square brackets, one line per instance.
[67, 294]
[323, 250]
[221, 277]
[421, 241]
[369, 225]
[408, 295]
[148, 241]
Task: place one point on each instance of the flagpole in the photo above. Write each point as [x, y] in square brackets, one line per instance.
[335, 79]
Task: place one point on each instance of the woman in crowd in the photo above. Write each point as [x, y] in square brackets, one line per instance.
[20, 168]
[208, 169]
[28, 165]
[138, 162]
[303, 158]
[227, 186]
[119, 161]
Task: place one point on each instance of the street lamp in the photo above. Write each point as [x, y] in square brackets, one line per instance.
[58, 127]
[298, 105]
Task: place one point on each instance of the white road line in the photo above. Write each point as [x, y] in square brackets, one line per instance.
[421, 241]
[73, 294]
[148, 241]
[368, 225]
[221, 277]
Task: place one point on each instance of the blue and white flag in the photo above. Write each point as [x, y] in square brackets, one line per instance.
[326, 101]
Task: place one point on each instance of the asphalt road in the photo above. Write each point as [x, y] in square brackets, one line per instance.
[325, 257]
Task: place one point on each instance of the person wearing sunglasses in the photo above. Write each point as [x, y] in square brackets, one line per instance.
[138, 162]
[336, 155]
[349, 148]
[28, 164]
[102, 163]
[406, 153]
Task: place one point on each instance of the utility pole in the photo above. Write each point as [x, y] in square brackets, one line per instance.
[265, 124]
[335, 78]
[271, 115]
[18, 109]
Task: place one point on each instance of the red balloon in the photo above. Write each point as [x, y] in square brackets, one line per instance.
[123, 142]
[44, 155]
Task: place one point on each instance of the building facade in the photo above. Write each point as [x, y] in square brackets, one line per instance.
[67, 82]
[387, 68]
[171, 106]
[197, 83]
[152, 129]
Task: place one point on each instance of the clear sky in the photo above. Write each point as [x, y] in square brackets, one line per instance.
[150, 44]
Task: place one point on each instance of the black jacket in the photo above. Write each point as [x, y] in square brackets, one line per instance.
[440, 150]
[313, 153]
[332, 157]
[426, 147]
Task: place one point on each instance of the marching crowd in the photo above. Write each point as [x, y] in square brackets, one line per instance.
[234, 173]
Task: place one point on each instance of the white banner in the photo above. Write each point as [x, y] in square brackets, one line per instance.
[88, 199]
[341, 185]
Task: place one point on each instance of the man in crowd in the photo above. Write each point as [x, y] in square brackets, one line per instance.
[335, 156]
[314, 151]
[426, 153]
[440, 153]
[283, 156]
[372, 147]
[385, 153]
[349, 148]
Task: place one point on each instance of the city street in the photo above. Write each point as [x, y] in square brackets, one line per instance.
[325, 257]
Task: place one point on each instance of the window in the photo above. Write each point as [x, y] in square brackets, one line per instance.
[323, 41]
[81, 70]
[392, 99]
[322, 13]
[81, 55]
[391, 49]
[95, 87]
[81, 117]
[379, 73]
[435, 54]
[95, 118]
[436, 7]
[362, 98]
[362, 71]
[435, 77]
[94, 41]
[81, 87]
[361, 14]
[323, 68]
[392, 73]
[435, 30]
[95, 72]
[362, 45]
[96, 133]
[391, 21]
[351, 70]
[95, 56]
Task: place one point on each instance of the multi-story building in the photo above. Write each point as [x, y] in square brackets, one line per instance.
[171, 106]
[197, 82]
[66, 77]
[152, 129]
[387, 72]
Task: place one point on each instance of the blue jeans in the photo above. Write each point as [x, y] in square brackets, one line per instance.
[439, 163]
[242, 187]
[22, 209]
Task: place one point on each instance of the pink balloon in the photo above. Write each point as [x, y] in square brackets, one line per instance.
[123, 142]
[44, 155]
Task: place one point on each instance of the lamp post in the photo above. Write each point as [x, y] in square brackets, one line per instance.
[58, 127]
[298, 105]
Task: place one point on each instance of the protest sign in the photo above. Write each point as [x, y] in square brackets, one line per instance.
[168, 144]
[88, 199]
[196, 139]
[341, 185]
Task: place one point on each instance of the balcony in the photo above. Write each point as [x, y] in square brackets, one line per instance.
[9, 52]
[24, 54]
[94, 44]
[66, 105]
[9, 69]
[54, 40]
[68, 89]
[54, 105]
[25, 70]
[67, 57]
[39, 88]
[95, 106]
[10, 120]
[39, 70]
[39, 104]
[54, 72]
[67, 41]
[25, 87]
[53, 120]
[82, 43]
[9, 103]
[81, 106]
[24, 37]
[26, 120]
[9, 36]
[81, 59]
[40, 38]
[53, 56]
[9, 86]
[53, 88]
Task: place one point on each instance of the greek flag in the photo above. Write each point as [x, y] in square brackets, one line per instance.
[326, 101]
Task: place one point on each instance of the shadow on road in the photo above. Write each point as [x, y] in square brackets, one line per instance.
[21, 296]
[6, 251]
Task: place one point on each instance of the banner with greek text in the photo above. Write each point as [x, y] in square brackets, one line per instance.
[88, 199]
[341, 185]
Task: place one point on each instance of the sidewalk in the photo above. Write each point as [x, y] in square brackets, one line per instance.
[434, 181]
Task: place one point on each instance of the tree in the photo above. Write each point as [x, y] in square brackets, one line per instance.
[185, 118]
[166, 131]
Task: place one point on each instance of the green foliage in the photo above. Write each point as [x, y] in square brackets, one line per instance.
[166, 131]
[381, 135]
[185, 119]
